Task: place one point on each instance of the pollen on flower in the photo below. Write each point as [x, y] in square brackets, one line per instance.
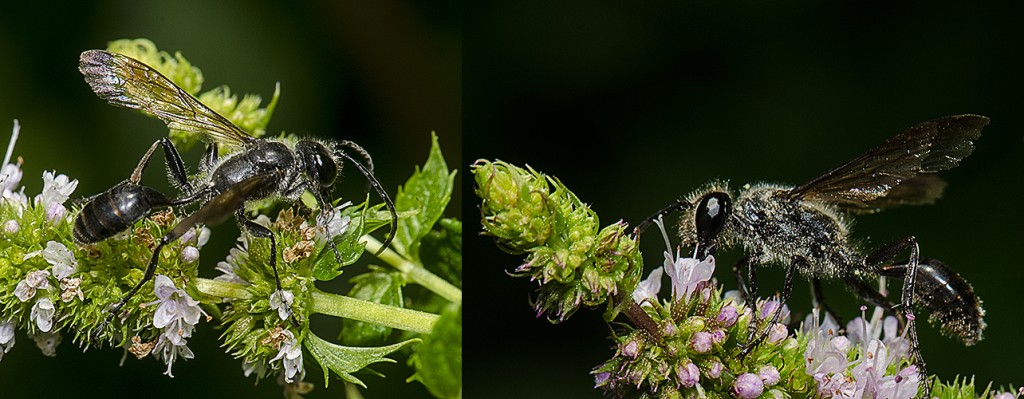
[290, 355]
[34, 280]
[301, 250]
[71, 288]
[141, 349]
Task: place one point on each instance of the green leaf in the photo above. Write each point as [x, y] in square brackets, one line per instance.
[345, 360]
[441, 250]
[438, 360]
[375, 286]
[427, 191]
[349, 243]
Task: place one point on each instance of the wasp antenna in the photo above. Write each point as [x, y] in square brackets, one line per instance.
[358, 149]
[372, 180]
[679, 205]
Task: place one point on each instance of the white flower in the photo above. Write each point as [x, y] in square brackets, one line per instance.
[338, 223]
[646, 292]
[189, 254]
[687, 274]
[6, 337]
[177, 313]
[282, 302]
[47, 342]
[42, 313]
[825, 357]
[167, 351]
[34, 280]
[10, 176]
[63, 261]
[11, 227]
[235, 261]
[290, 356]
[56, 189]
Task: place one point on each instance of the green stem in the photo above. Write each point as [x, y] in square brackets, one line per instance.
[372, 312]
[338, 305]
[222, 289]
[414, 272]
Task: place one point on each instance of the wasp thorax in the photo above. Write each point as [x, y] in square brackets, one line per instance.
[317, 161]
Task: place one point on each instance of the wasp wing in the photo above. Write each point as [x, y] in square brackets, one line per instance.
[223, 205]
[126, 82]
[887, 175]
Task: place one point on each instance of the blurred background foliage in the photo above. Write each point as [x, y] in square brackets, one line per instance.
[633, 104]
[383, 74]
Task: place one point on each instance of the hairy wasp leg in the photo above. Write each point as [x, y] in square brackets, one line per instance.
[787, 289]
[174, 234]
[876, 261]
[209, 159]
[746, 290]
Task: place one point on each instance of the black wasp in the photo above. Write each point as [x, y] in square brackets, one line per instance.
[806, 228]
[256, 169]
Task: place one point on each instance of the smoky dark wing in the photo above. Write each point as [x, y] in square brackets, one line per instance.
[873, 180]
[126, 82]
[222, 206]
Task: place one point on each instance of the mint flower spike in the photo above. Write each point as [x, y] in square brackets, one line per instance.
[574, 262]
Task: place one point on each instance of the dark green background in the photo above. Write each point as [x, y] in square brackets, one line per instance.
[383, 74]
[633, 104]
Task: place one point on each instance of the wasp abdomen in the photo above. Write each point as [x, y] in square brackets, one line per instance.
[114, 211]
[955, 308]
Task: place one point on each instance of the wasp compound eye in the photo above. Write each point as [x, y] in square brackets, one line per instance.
[712, 212]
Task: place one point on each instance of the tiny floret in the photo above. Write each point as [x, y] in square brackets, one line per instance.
[281, 301]
[11, 227]
[63, 261]
[6, 337]
[290, 355]
[42, 313]
[177, 313]
[748, 386]
[34, 280]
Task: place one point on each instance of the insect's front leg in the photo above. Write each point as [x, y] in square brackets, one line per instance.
[787, 289]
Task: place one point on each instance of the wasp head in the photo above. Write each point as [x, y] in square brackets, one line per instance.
[317, 162]
[701, 226]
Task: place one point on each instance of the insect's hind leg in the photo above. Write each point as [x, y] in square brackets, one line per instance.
[875, 262]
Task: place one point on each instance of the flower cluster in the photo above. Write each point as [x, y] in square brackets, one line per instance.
[575, 262]
[701, 335]
[864, 363]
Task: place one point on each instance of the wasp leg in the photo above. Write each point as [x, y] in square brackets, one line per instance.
[256, 230]
[746, 290]
[787, 289]
[818, 298]
[876, 262]
[209, 158]
[174, 234]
